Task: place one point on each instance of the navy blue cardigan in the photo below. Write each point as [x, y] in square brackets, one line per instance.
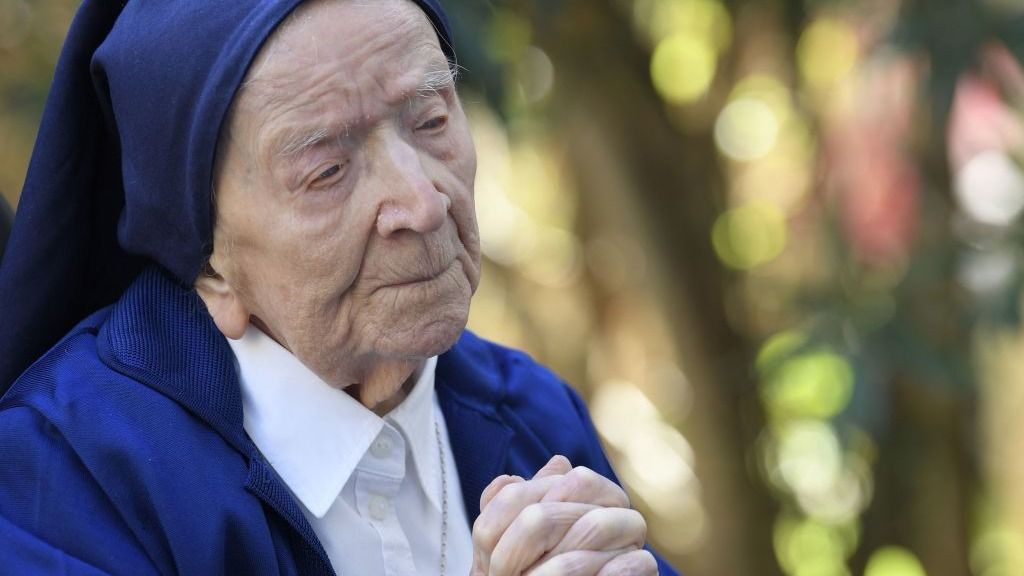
[122, 449]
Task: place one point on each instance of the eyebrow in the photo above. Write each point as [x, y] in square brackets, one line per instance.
[302, 142]
[433, 82]
[438, 79]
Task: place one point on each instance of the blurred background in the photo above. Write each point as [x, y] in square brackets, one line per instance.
[775, 243]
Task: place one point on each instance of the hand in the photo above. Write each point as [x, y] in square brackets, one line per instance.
[564, 520]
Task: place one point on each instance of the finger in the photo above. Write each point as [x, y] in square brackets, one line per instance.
[537, 529]
[557, 465]
[479, 565]
[635, 563]
[581, 484]
[495, 486]
[603, 529]
[575, 563]
[502, 510]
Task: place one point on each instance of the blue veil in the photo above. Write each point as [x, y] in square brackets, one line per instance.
[122, 169]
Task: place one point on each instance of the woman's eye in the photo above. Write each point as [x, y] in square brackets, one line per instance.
[434, 123]
[334, 169]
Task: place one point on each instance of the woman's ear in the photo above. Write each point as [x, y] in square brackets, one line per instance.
[222, 300]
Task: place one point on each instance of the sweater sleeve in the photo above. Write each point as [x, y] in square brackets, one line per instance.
[54, 517]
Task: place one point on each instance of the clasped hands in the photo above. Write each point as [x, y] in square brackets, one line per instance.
[564, 521]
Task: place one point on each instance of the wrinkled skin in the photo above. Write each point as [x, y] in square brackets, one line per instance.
[360, 253]
[564, 521]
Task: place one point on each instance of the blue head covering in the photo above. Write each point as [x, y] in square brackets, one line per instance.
[122, 170]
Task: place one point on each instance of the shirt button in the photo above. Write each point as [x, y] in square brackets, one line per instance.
[381, 447]
[378, 507]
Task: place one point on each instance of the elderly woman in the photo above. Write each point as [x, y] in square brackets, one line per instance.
[256, 220]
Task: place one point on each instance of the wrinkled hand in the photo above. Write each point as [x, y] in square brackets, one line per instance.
[565, 521]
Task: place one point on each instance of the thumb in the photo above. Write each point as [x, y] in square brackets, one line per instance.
[557, 465]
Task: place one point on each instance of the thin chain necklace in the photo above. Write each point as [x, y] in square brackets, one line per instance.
[444, 498]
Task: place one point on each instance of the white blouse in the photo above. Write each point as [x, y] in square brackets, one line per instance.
[369, 486]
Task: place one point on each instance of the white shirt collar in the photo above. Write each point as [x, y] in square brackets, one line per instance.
[315, 435]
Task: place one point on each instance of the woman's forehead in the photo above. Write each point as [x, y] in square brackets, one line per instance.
[319, 26]
[338, 65]
[342, 41]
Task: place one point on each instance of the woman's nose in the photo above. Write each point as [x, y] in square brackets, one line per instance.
[411, 200]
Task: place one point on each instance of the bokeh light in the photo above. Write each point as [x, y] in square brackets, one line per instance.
[806, 547]
[827, 52]
[658, 462]
[747, 129]
[809, 456]
[682, 68]
[815, 384]
[998, 552]
[894, 561]
[990, 188]
[706, 20]
[749, 235]
[537, 74]
[988, 273]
